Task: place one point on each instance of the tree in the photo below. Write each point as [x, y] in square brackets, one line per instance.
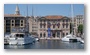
[80, 28]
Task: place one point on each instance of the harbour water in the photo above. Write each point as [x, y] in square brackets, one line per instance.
[48, 44]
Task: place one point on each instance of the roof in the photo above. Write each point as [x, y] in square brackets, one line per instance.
[53, 17]
[12, 15]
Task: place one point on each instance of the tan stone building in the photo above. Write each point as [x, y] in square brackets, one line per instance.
[33, 25]
[59, 25]
[79, 20]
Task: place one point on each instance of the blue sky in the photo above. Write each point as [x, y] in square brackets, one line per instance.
[45, 9]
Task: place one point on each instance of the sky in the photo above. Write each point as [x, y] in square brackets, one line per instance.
[45, 9]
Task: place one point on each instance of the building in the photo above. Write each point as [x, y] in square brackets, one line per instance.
[14, 23]
[78, 19]
[33, 25]
[59, 26]
[51, 26]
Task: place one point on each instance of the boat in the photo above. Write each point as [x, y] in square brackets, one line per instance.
[69, 38]
[36, 37]
[21, 39]
[6, 39]
[80, 40]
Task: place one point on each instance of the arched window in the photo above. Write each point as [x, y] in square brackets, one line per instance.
[53, 25]
[66, 25]
[40, 25]
[66, 33]
[63, 25]
[58, 24]
[58, 34]
[44, 35]
[40, 35]
[49, 24]
[63, 34]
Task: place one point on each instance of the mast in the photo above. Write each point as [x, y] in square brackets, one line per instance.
[72, 13]
[32, 12]
[27, 26]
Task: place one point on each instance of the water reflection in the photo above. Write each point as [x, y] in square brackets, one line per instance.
[48, 44]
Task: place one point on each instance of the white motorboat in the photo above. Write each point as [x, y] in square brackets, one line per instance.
[69, 38]
[21, 39]
[80, 40]
[73, 38]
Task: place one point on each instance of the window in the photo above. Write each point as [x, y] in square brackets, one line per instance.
[21, 21]
[17, 22]
[58, 26]
[21, 24]
[44, 26]
[12, 21]
[12, 24]
[63, 20]
[7, 21]
[44, 35]
[35, 20]
[53, 26]
[58, 34]
[63, 25]
[40, 35]
[66, 25]
[49, 25]
[66, 33]
[63, 34]
[41, 21]
[40, 26]
[44, 21]
[66, 20]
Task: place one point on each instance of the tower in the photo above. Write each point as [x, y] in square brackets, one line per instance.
[17, 12]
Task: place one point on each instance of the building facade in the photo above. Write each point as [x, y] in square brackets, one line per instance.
[33, 25]
[53, 26]
[79, 20]
[14, 23]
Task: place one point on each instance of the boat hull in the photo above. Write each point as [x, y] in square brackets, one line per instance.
[21, 41]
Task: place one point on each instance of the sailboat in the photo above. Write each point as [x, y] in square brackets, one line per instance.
[72, 37]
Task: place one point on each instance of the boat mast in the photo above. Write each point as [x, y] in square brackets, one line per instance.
[27, 26]
[72, 13]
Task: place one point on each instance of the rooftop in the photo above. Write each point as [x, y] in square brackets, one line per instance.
[53, 17]
[12, 15]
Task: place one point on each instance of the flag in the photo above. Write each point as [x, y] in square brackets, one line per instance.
[49, 32]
